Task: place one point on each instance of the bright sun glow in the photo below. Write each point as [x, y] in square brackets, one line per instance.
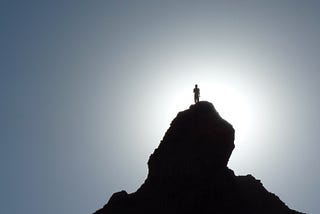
[231, 104]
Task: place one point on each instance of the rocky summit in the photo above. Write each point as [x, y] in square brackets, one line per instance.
[188, 173]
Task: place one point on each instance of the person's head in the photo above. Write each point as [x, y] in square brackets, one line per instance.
[196, 86]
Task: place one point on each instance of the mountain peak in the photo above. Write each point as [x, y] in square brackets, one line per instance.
[198, 141]
[188, 173]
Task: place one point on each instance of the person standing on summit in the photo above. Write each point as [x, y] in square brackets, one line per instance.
[196, 92]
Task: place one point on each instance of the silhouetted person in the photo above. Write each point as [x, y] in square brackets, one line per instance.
[196, 92]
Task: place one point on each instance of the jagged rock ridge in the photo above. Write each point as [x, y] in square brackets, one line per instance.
[188, 173]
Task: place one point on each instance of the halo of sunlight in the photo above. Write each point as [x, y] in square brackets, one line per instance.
[232, 105]
[230, 100]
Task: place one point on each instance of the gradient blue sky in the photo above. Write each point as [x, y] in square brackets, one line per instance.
[88, 88]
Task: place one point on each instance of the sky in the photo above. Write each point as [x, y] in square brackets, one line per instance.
[88, 89]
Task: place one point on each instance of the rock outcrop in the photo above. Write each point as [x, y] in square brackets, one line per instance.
[188, 173]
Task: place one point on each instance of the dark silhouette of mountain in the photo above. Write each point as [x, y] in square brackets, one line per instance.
[188, 173]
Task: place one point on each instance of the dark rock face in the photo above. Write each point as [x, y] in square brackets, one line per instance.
[197, 142]
[188, 173]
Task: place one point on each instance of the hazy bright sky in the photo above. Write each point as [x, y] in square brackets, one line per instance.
[88, 89]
